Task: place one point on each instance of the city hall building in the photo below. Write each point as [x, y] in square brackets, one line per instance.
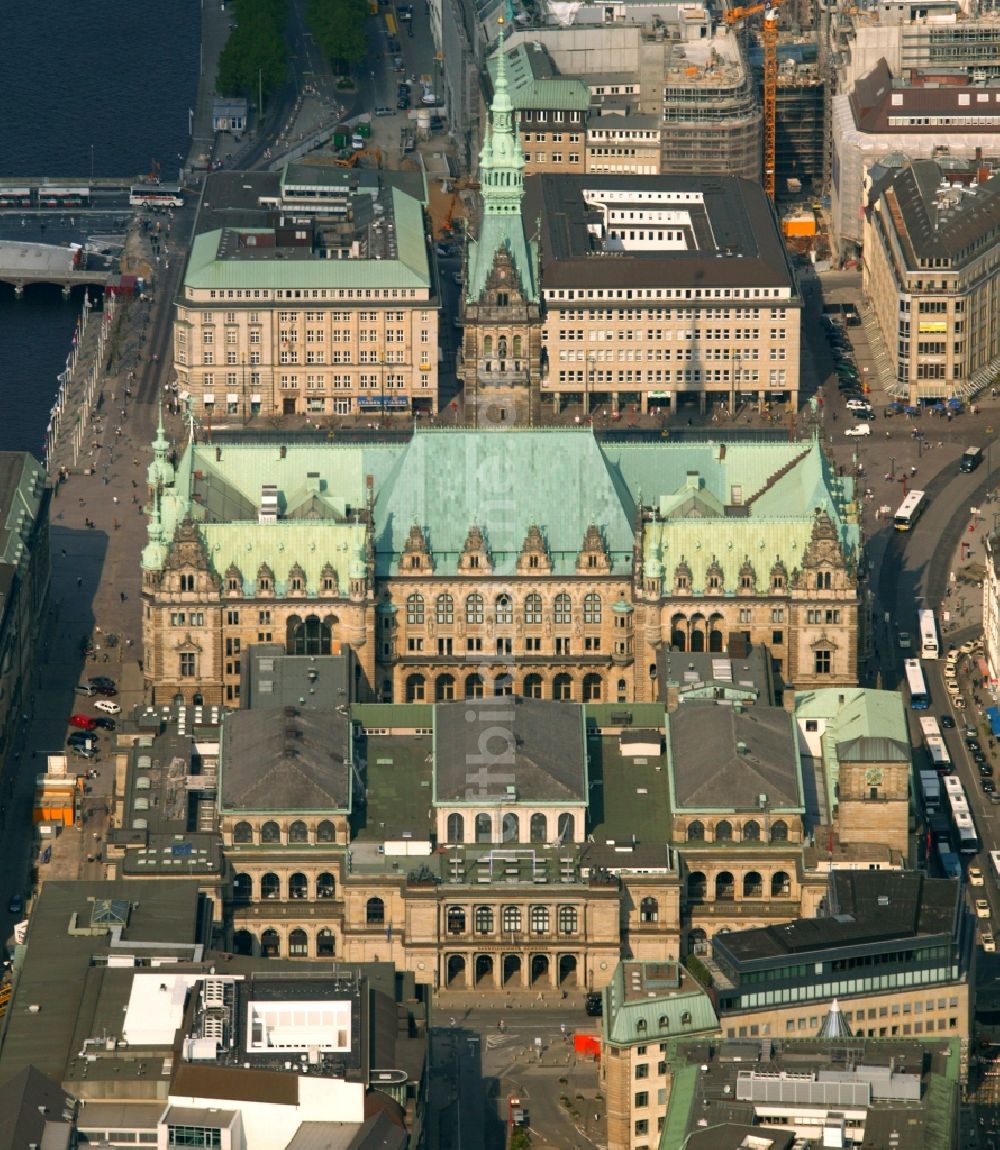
[468, 563]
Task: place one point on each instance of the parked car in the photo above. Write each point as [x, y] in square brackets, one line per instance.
[982, 908]
[108, 692]
[594, 1005]
[84, 722]
[101, 681]
[83, 752]
[383, 110]
[861, 429]
[403, 103]
[81, 739]
[858, 405]
[978, 757]
[959, 702]
[104, 723]
[988, 785]
[985, 771]
[973, 743]
[427, 96]
[86, 689]
[904, 640]
[108, 707]
[989, 942]
[976, 877]
[15, 904]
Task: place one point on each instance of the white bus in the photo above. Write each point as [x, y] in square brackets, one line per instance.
[155, 196]
[953, 786]
[965, 828]
[930, 648]
[995, 861]
[909, 511]
[920, 699]
[938, 751]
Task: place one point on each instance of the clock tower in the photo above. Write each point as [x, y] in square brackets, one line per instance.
[502, 329]
[873, 802]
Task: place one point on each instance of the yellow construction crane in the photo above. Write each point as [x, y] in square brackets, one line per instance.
[770, 40]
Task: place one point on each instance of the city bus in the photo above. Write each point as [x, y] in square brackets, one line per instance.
[920, 698]
[155, 196]
[965, 828]
[15, 197]
[995, 863]
[930, 647]
[50, 196]
[909, 511]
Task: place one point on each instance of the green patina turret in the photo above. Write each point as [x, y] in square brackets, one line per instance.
[501, 180]
[160, 472]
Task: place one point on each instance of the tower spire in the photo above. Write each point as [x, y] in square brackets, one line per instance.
[501, 161]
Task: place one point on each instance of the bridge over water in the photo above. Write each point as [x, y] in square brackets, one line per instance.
[25, 262]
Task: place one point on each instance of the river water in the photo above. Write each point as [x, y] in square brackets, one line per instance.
[100, 89]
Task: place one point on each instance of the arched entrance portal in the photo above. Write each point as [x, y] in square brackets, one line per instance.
[455, 975]
[512, 968]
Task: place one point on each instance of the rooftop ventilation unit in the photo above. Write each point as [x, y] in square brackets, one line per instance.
[268, 503]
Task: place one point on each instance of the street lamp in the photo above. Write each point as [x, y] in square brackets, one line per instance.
[892, 467]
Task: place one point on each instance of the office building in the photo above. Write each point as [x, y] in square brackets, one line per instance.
[932, 275]
[308, 292]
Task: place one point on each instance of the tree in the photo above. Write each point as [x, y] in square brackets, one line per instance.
[338, 27]
[255, 58]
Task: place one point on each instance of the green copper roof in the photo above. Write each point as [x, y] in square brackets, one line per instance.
[206, 270]
[860, 725]
[534, 85]
[502, 482]
[652, 1002]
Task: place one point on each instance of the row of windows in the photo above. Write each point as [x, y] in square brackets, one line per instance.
[511, 919]
[842, 988]
[503, 609]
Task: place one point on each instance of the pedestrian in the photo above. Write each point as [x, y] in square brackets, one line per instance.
[122, 593]
[115, 497]
[79, 581]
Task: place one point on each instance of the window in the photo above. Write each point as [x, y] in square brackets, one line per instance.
[474, 609]
[592, 609]
[511, 919]
[568, 920]
[504, 609]
[642, 1068]
[822, 662]
[641, 1099]
[539, 920]
[375, 912]
[415, 610]
[187, 582]
[187, 666]
[445, 609]
[563, 609]
[532, 609]
[484, 920]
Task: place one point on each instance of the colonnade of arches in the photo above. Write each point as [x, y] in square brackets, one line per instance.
[725, 886]
[271, 832]
[286, 942]
[511, 971]
[698, 632]
[269, 885]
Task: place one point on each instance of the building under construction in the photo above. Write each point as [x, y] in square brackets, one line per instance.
[711, 114]
[800, 138]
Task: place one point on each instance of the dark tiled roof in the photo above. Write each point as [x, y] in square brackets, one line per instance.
[727, 757]
[532, 745]
[870, 906]
[872, 104]
[294, 759]
[737, 233]
[28, 1102]
[932, 231]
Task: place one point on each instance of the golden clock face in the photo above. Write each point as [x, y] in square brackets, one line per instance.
[873, 776]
